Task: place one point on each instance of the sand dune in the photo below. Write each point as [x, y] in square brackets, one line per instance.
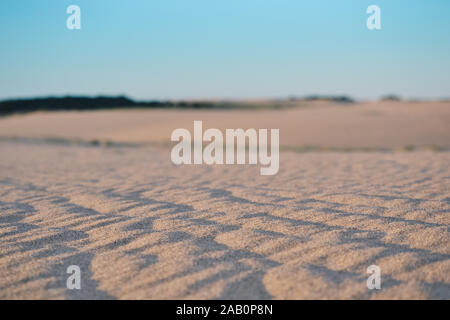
[375, 124]
[140, 227]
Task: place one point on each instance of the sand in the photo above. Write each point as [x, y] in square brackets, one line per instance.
[140, 227]
[375, 124]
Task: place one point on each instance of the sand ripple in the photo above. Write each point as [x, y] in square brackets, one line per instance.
[140, 227]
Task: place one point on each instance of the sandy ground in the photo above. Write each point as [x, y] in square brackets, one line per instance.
[140, 227]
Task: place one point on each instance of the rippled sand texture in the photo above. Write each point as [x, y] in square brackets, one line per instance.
[140, 227]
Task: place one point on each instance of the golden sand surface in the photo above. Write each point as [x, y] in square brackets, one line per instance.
[140, 227]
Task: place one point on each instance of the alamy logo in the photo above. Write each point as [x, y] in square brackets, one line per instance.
[374, 281]
[374, 20]
[74, 281]
[213, 153]
[74, 20]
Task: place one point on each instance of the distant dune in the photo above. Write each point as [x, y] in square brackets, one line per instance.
[304, 125]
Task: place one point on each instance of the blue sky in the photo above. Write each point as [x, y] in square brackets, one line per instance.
[225, 48]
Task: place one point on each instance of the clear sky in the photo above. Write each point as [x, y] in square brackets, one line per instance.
[225, 48]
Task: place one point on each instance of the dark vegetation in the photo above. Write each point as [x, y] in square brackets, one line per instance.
[91, 103]
[318, 97]
[81, 103]
[390, 97]
[341, 99]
